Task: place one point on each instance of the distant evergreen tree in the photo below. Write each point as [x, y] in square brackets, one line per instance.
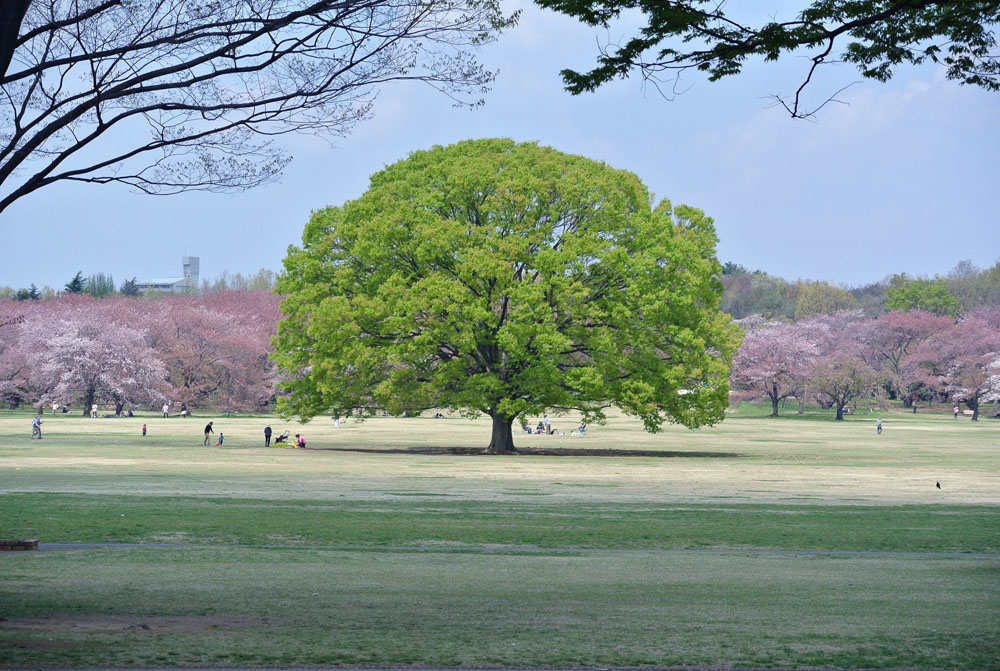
[31, 293]
[129, 288]
[75, 285]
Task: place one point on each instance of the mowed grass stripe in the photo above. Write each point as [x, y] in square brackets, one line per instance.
[224, 607]
[77, 518]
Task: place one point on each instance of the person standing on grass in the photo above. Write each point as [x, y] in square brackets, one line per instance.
[166, 409]
[208, 431]
[878, 426]
[955, 410]
[548, 427]
[267, 436]
[143, 430]
[36, 427]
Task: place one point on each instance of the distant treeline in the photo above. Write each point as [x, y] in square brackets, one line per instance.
[102, 285]
[964, 288]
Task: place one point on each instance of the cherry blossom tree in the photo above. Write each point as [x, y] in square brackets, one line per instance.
[843, 377]
[91, 357]
[961, 360]
[216, 347]
[888, 341]
[774, 361]
[840, 374]
[13, 356]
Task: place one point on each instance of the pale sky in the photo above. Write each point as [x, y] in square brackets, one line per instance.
[903, 178]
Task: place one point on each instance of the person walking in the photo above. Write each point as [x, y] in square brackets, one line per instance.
[208, 430]
[267, 436]
[36, 427]
[878, 426]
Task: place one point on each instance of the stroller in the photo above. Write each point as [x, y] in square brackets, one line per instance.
[282, 441]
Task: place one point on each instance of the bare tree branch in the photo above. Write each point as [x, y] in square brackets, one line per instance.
[211, 83]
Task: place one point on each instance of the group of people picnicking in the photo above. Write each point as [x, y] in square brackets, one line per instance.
[544, 428]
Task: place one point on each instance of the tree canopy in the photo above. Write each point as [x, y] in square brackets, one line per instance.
[506, 279]
[876, 36]
[171, 96]
[926, 295]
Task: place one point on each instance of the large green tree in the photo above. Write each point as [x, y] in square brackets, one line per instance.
[876, 36]
[926, 295]
[506, 279]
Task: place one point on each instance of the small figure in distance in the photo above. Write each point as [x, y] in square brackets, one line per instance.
[267, 436]
[36, 427]
[143, 430]
[221, 437]
[208, 430]
[300, 440]
[878, 426]
[938, 484]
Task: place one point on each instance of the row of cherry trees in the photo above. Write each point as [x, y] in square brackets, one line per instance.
[209, 351]
[843, 357]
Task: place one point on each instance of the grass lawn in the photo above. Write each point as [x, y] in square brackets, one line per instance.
[777, 543]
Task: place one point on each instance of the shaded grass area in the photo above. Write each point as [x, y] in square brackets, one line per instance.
[193, 606]
[76, 518]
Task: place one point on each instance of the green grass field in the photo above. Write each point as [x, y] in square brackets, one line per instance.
[793, 542]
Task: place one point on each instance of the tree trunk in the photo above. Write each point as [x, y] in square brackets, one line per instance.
[774, 400]
[840, 411]
[88, 401]
[502, 441]
[118, 408]
[802, 407]
[974, 407]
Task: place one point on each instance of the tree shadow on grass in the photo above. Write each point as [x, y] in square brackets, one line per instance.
[536, 451]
